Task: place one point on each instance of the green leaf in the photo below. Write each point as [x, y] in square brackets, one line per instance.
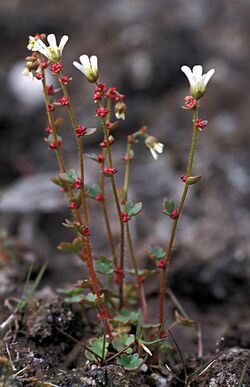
[96, 345]
[103, 265]
[168, 206]
[146, 273]
[92, 156]
[74, 295]
[92, 299]
[93, 191]
[51, 138]
[73, 225]
[130, 362]
[133, 209]
[126, 316]
[67, 177]
[71, 247]
[155, 252]
[123, 341]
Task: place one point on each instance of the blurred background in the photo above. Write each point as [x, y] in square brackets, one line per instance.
[141, 46]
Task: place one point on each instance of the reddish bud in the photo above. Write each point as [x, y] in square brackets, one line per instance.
[73, 206]
[78, 183]
[99, 197]
[184, 178]
[141, 278]
[64, 101]
[51, 107]
[81, 131]
[49, 129]
[100, 158]
[53, 144]
[44, 64]
[174, 214]
[200, 124]
[109, 171]
[56, 68]
[97, 96]
[102, 112]
[190, 102]
[100, 87]
[85, 231]
[50, 89]
[66, 80]
[125, 217]
[163, 334]
[39, 76]
[161, 264]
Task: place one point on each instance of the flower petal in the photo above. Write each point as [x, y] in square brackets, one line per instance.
[187, 71]
[41, 47]
[197, 72]
[207, 76]
[62, 43]
[52, 40]
[153, 153]
[94, 63]
[78, 66]
[84, 59]
[159, 147]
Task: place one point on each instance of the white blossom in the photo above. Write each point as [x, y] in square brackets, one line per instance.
[154, 146]
[53, 52]
[197, 81]
[88, 66]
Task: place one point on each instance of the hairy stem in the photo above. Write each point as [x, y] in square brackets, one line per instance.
[118, 207]
[175, 222]
[129, 239]
[105, 212]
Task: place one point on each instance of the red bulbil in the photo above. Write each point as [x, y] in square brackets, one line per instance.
[200, 124]
[53, 144]
[78, 183]
[174, 214]
[99, 197]
[64, 101]
[190, 102]
[39, 76]
[81, 131]
[85, 231]
[109, 171]
[104, 143]
[65, 80]
[119, 272]
[49, 129]
[102, 112]
[97, 96]
[184, 178]
[44, 64]
[161, 264]
[73, 206]
[56, 68]
[125, 217]
[100, 158]
[100, 87]
[51, 107]
[50, 89]
[141, 278]
[163, 334]
[111, 92]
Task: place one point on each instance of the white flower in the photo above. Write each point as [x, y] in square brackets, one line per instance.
[53, 52]
[120, 110]
[89, 67]
[154, 146]
[197, 81]
[32, 41]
